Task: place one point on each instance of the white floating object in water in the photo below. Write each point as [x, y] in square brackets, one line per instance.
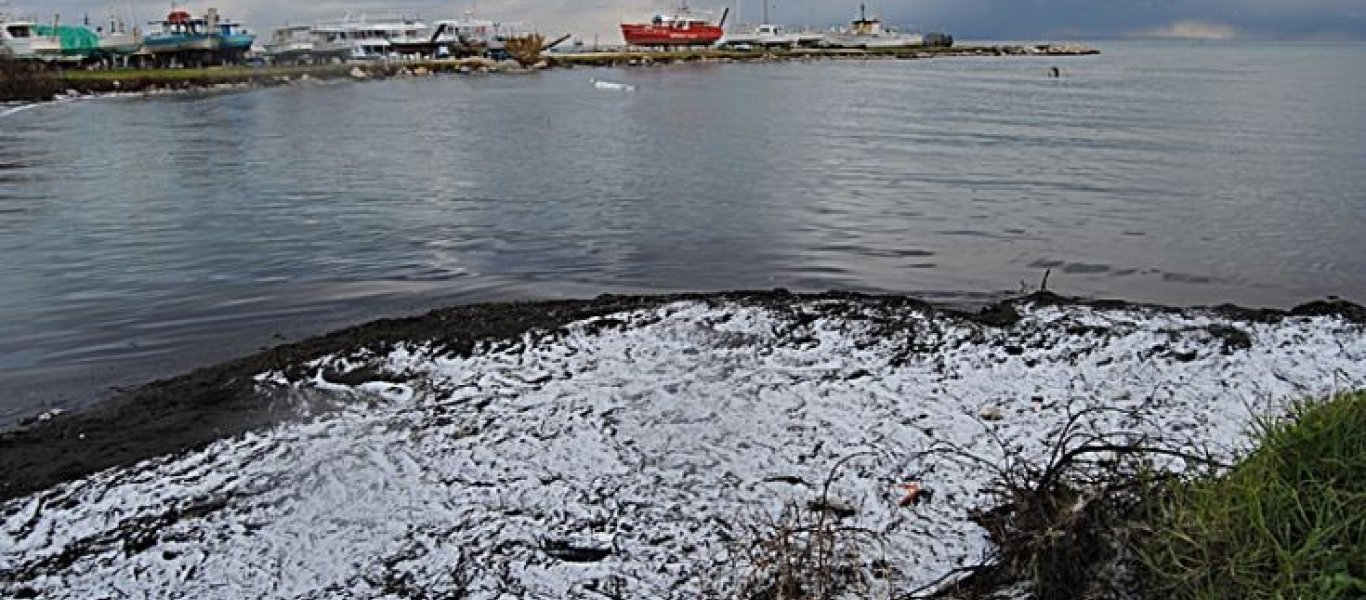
[611, 85]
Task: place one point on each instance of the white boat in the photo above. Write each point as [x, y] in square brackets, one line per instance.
[368, 38]
[869, 34]
[762, 36]
[307, 44]
[117, 38]
[291, 42]
[19, 38]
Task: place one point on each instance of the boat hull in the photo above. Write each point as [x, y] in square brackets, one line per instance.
[179, 43]
[33, 48]
[654, 35]
[237, 42]
[119, 43]
[874, 42]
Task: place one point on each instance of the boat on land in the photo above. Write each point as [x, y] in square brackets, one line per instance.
[117, 39]
[482, 37]
[373, 38]
[180, 32]
[234, 39]
[682, 28]
[20, 38]
[770, 36]
[292, 44]
[869, 34]
[306, 44]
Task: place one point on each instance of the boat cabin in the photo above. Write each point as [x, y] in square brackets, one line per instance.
[180, 22]
[865, 26]
[19, 31]
[679, 22]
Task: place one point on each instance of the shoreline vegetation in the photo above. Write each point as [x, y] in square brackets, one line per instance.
[1099, 519]
[26, 82]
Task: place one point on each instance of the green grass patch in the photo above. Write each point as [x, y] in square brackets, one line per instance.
[1287, 522]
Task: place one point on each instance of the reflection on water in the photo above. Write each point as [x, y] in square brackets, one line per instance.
[144, 236]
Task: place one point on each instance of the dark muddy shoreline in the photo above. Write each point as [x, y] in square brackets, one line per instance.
[192, 410]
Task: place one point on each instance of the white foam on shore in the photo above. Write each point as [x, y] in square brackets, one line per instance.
[652, 437]
[14, 110]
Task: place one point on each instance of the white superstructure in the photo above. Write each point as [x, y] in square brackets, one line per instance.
[373, 37]
[19, 38]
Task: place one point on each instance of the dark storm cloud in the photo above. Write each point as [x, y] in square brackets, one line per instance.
[968, 19]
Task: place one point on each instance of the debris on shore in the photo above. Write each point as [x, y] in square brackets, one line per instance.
[630, 448]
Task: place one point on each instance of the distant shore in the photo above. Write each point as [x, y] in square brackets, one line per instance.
[37, 86]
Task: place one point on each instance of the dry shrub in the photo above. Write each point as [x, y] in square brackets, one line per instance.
[806, 553]
[810, 552]
[1065, 525]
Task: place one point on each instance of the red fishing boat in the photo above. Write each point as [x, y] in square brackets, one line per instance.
[683, 28]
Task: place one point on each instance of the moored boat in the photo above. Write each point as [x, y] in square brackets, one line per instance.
[682, 28]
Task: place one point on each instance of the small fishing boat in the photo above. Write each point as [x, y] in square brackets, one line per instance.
[682, 28]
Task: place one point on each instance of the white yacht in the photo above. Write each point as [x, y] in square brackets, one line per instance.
[19, 38]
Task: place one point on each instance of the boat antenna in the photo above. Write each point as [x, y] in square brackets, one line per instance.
[765, 11]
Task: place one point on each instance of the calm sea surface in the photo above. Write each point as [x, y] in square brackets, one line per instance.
[141, 237]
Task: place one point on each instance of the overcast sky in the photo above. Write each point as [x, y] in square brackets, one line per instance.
[966, 19]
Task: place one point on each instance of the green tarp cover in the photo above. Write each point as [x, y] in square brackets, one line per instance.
[75, 39]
